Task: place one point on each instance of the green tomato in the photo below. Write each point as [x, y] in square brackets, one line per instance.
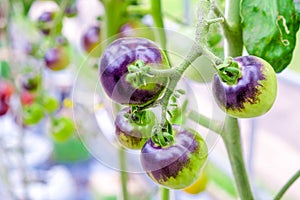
[32, 114]
[50, 104]
[62, 129]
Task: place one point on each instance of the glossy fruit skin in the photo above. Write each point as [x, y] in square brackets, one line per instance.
[44, 22]
[62, 129]
[6, 91]
[27, 98]
[133, 135]
[32, 114]
[57, 58]
[199, 185]
[113, 69]
[30, 81]
[177, 165]
[91, 39]
[253, 94]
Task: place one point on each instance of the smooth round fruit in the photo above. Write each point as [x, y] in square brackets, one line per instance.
[32, 114]
[133, 132]
[4, 107]
[49, 103]
[6, 91]
[253, 94]
[71, 10]
[62, 129]
[199, 185]
[30, 81]
[57, 58]
[136, 29]
[113, 70]
[177, 165]
[27, 98]
[91, 39]
[45, 21]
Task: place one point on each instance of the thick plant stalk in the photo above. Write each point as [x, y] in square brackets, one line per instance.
[231, 134]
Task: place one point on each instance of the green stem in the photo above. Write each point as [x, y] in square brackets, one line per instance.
[165, 193]
[58, 18]
[232, 140]
[123, 173]
[287, 185]
[233, 31]
[156, 12]
[206, 122]
[114, 11]
[191, 57]
[231, 135]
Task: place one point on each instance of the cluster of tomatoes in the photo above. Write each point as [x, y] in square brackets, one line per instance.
[244, 87]
[177, 163]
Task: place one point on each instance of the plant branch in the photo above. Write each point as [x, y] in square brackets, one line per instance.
[206, 122]
[287, 185]
[231, 134]
[165, 193]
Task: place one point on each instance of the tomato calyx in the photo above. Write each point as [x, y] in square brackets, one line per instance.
[163, 135]
[229, 71]
[138, 73]
[137, 116]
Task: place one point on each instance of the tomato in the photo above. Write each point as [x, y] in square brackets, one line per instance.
[178, 165]
[4, 107]
[6, 91]
[199, 185]
[133, 130]
[32, 114]
[57, 58]
[91, 39]
[113, 70]
[27, 98]
[136, 29]
[62, 128]
[31, 81]
[49, 103]
[45, 21]
[254, 92]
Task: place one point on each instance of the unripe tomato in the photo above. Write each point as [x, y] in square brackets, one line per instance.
[91, 39]
[62, 129]
[253, 94]
[32, 114]
[199, 185]
[45, 22]
[177, 165]
[57, 58]
[113, 70]
[133, 130]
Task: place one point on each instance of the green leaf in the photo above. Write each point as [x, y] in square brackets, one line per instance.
[4, 69]
[297, 6]
[269, 30]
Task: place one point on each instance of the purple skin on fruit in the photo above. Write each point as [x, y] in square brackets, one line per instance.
[44, 18]
[56, 59]
[113, 69]
[178, 165]
[130, 134]
[91, 38]
[253, 94]
[3, 108]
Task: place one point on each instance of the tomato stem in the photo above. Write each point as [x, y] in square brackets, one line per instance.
[165, 193]
[231, 133]
[287, 185]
